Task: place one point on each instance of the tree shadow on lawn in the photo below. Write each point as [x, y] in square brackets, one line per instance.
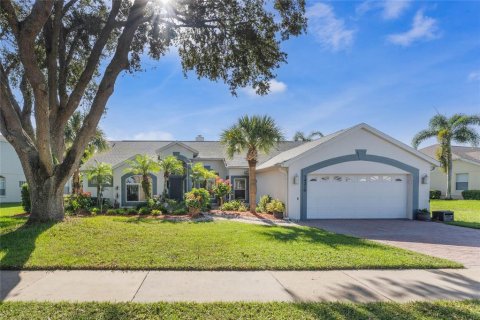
[17, 246]
[150, 220]
[314, 235]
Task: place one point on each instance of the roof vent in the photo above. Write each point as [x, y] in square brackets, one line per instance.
[199, 138]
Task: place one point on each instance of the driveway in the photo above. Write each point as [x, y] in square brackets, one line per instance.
[431, 238]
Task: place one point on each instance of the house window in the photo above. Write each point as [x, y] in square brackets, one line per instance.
[21, 183]
[240, 187]
[3, 186]
[461, 181]
[134, 189]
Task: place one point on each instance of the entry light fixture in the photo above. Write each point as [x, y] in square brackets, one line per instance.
[295, 178]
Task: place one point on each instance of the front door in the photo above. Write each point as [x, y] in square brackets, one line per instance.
[175, 190]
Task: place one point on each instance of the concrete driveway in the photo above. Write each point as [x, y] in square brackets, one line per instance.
[431, 238]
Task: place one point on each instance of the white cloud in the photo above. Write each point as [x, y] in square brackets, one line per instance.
[423, 28]
[391, 9]
[275, 87]
[153, 135]
[474, 76]
[329, 30]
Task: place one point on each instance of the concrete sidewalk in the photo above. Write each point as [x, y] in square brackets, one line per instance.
[206, 286]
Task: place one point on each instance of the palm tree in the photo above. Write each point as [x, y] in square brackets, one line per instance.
[99, 143]
[170, 165]
[300, 136]
[252, 134]
[144, 165]
[456, 128]
[201, 174]
[102, 174]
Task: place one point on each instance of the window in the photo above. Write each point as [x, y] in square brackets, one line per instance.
[21, 183]
[461, 181]
[337, 178]
[387, 178]
[3, 186]
[325, 179]
[362, 179]
[374, 178]
[240, 188]
[134, 189]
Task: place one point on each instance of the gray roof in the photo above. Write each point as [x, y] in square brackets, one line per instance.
[122, 150]
[471, 154]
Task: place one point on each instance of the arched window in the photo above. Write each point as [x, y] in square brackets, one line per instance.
[3, 186]
[134, 189]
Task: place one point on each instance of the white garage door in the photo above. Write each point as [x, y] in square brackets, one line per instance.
[356, 196]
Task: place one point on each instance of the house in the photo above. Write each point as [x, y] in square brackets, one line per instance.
[465, 170]
[11, 173]
[357, 173]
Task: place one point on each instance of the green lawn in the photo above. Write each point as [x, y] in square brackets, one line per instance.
[108, 242]
[467, 212]
[451, 310]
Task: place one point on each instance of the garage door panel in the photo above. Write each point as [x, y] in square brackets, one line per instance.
[356, 197]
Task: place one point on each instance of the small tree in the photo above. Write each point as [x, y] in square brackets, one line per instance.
[144, 165]
[102, 174]
[26, 198]
[170, 165]
[252, 135]
[456, 128]
[200, 174]
[300, 136]
[221, 189]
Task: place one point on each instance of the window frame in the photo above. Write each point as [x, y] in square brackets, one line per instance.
[465, 187]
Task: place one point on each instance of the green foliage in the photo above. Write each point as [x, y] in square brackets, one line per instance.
[94, 211]
[222, 188]
[471, 194]
[201, 174]
[75, 202]
[132, 210]
[144, 211]
[234, 205]
[102, 173]
[144, 165]
[435, 194]
[155, 212]
[25, 192]
[170, 165]
[275, 206]
[262, 204]
[300, 136]
[121, 211]
[111, 211]
[197, 200]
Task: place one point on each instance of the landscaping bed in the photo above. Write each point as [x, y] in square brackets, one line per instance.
[451, 310]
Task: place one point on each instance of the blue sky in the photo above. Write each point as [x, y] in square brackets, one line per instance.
[390, 64]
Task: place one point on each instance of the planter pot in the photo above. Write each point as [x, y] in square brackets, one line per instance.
[423, 216]
[278, 215]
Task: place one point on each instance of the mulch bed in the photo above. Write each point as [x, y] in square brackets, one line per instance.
[238, 214]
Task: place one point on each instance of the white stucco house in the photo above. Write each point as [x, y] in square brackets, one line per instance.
[357, 173]
[11, 173]
[465, 170]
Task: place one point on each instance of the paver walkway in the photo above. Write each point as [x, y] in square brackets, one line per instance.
[432, 238]
[206, 286]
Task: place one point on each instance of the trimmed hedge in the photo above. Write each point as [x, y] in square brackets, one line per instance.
[26, 204]
[435, 194]
[471, 194]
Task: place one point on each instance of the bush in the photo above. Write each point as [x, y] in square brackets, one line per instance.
[94, 211]
[156, 212]
[120, 211]
[151, 203]
[234, 205]
[144, 211]
[275, 206]
[262, 204]
[26, 204]
[471, 194]
[197, 200]
[435, 194]
[75, 202]
[132, 211]
[221, 189]
[111, 211]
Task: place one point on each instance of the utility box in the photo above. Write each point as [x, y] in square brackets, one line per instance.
[443, 215]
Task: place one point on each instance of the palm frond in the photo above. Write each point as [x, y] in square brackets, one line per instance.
[422, 136]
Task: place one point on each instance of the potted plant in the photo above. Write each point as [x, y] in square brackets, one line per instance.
[277, 208]
[423, 215]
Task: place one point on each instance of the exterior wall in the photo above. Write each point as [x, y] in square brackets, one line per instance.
[11, 169]
[346, 145]
[439, 178]
[274, 183]
[215, 165]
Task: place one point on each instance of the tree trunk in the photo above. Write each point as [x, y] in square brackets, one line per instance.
[165, 186]
[146, 187]
[449, 173]
[252, 185]
[47, 201]
[76, 186]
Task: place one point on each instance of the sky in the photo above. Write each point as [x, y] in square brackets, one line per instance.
[390, 64]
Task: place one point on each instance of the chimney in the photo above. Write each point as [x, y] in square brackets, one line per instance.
[199, 138]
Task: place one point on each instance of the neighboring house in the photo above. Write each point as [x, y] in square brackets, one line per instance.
[465, 170]
[11, 173]
[357, 173]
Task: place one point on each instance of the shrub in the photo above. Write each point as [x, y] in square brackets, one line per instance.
[144, 211]
[471, 194]
[156, 212]
[275, 206]
[132, 211]
[94, 211]
[26, 204]
[197, 200]
[262, 204]
[111, 211]
[75, 202]
[120, 211]
[435, 194]
[221, 189]
[151, 203]
[234, 205]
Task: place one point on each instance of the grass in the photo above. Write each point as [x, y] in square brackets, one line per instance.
[467, 212]
[106, 242]
[452, 310]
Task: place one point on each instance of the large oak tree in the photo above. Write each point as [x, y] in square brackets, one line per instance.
[59, 56]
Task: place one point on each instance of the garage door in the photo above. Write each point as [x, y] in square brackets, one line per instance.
[356, 196]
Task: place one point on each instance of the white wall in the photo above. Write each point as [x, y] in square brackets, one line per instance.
[215, 165]
[11, 169]
[274, 183]
[346, 145]
[439, 178]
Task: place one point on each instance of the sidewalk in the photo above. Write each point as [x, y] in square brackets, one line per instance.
[206, 286]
